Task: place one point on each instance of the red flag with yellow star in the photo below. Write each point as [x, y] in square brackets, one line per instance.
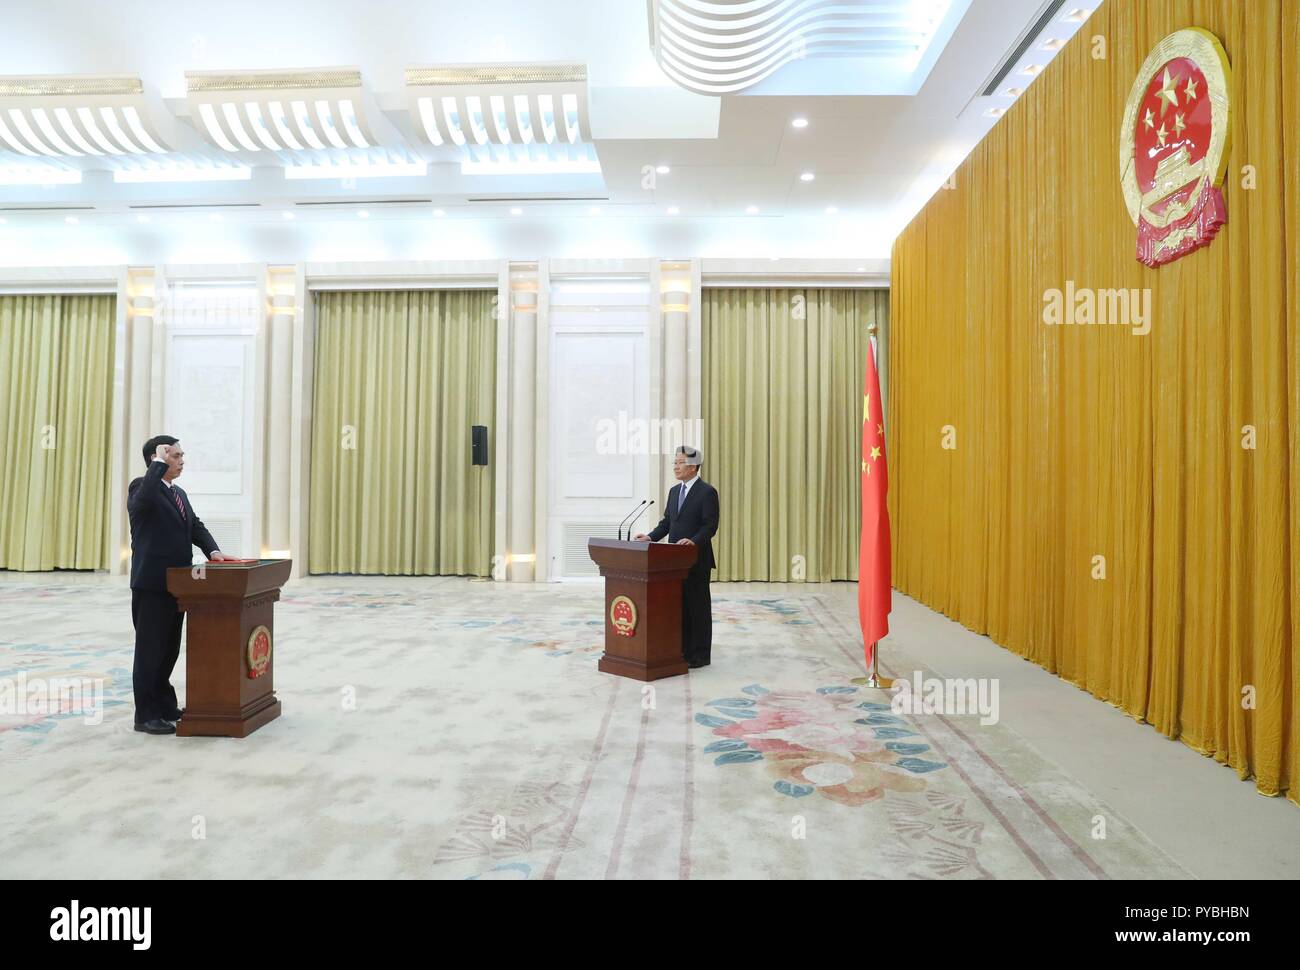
[874, 586]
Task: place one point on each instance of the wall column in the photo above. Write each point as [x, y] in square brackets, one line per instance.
[679, 400]
[516, 427]
[277, 412]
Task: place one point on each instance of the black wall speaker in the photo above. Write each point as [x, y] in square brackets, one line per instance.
[479, 446]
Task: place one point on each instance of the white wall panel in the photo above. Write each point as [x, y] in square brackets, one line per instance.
[210, 403]
[598, 458]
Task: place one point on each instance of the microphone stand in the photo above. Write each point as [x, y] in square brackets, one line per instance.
[626, 517]
[638, 515]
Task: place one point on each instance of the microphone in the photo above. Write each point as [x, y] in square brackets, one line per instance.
[628, 516]
[638, 515]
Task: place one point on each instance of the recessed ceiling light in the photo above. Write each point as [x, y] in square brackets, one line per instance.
[1013, 92]
[142, 218]
[807, 177]
[439, 213]
[995, 112]
[363, 214]
[1032, 70]
[1078, 15]
[516, 211]
[594, 210]
[862, 269]
[673, 210]
[831, 210]
[287, 215]
[214, 216]
[663, 169]
[1052, 44]
[799, 123]
[71, 220]
[751, 210]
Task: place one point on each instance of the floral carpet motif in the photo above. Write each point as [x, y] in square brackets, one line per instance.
[530, 821]
[830, 741]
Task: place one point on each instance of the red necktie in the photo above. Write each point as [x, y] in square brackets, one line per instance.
[179, 504]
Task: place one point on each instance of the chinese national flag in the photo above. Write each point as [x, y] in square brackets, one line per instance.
[873, 554]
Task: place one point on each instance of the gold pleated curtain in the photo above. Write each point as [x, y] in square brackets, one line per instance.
[400, 378]
[782, 408]
[56, 402]
[1099, 514]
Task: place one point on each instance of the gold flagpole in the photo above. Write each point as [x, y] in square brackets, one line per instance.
[873, 679]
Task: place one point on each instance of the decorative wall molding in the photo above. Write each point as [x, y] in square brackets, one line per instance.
[61, 279]
[856, 274]
[468, 274]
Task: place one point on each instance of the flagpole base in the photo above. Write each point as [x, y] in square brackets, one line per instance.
[873, 679]
[880, 683]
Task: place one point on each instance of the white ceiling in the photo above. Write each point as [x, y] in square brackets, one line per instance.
[875, 158]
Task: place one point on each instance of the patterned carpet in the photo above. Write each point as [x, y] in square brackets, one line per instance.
[452, 728]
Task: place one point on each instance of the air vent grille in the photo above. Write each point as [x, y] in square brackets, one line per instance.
[575, 562]
[1045, 17]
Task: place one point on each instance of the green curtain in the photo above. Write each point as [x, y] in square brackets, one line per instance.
[782, 402]
[56, 402]
[400, 377]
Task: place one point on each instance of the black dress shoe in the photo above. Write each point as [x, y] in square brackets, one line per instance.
[692, 664]
[157, 726]
[176, 715]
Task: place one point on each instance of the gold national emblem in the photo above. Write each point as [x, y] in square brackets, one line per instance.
[259, 652]
[1173, 146]
[622, 615]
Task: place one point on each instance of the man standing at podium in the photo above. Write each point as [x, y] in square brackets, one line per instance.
[691, 519]
[164, 529]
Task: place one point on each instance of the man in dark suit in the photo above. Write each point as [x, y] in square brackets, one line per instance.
[164, 529]
[691, 519]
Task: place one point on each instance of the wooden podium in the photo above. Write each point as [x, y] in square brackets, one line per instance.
[229, 655]
[643, 606]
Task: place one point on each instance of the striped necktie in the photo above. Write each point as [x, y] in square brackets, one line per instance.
[179, 504]
[681, 497]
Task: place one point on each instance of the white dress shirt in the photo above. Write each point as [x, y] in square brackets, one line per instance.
[686, 488]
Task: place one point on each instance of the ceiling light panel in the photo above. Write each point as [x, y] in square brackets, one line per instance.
[537, 111]
[72, 116]
[714, 48]
[281, 110]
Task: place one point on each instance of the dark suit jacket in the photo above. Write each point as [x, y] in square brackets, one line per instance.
[160, 538]
[697, 521]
